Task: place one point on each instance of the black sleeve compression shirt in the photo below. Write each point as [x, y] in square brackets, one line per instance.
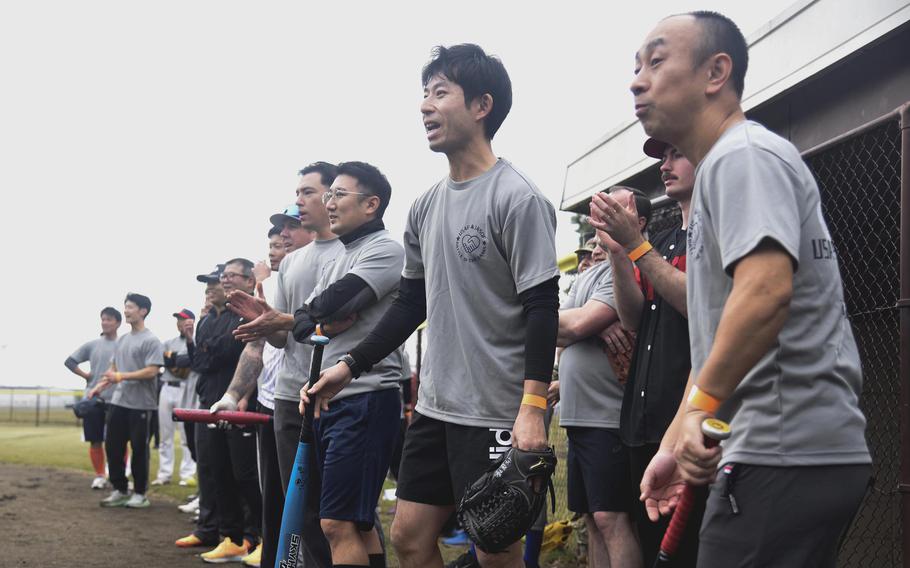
[347, 296]
[407, 311]
[540, 305]
[541, 308]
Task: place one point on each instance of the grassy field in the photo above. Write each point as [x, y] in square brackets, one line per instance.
[61, 446]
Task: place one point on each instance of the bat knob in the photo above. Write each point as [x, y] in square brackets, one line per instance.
[715, 429]
[319, 340]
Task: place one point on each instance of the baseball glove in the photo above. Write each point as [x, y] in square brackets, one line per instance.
[500, 507]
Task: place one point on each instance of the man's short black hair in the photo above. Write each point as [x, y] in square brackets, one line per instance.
[721, 35]
[142, 302]
[327, 172]
[246, 264]
[274, 231]
[642, 203]
[112, 313]
[370, 179]
[477, 73]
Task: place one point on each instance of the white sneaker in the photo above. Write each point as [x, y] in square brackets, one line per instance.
[190, 508]
[161, 481]
[99, 483]
[137, 501]
[115, 499]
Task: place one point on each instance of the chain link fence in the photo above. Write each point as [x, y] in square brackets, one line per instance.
[38, 406]
[859, 179]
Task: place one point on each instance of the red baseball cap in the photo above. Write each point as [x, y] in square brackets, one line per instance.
[655, 148]
[185, 314]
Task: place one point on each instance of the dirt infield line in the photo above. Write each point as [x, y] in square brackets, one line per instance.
[51, 519]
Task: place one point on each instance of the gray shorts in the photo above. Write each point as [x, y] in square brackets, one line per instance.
[780, 516]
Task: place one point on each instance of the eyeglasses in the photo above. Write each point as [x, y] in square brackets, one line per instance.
[231, 275]
[339, 193]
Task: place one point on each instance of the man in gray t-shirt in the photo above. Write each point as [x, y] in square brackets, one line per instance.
[590, 399]
[772, 349]
[99, 353]
[134, 374]
[481, 269]
[355, 435]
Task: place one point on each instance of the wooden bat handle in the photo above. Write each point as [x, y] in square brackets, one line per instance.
[714, 431]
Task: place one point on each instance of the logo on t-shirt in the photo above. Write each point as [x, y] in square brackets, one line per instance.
[471, 243]
[694, 246]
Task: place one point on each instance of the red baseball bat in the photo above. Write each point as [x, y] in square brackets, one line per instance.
[714, 431]
[229, 416]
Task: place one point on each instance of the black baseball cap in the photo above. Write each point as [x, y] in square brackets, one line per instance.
[290, 213]
[586, 248]
[185, 314]
[655, 148]
[212, 277]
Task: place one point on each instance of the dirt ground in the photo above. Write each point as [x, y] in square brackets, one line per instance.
[50, 518]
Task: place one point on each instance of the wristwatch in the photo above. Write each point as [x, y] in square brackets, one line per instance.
[348, 360]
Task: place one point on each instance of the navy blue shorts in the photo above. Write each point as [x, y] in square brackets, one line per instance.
[93, 424]
[354, 443]
[598, 471]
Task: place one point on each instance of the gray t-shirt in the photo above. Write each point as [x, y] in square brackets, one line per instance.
[377, 259]
[478, 244]
[799, 405]
[99, 353]
[589, 393]
[296, 279]
[136, 351]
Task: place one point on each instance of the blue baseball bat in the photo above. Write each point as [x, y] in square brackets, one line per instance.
[291, 537]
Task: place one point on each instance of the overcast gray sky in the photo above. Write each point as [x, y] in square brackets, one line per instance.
[144, 142]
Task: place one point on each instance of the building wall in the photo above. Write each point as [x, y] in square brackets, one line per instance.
[867, 85]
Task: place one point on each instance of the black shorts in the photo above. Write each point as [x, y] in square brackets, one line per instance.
[598, 471]
[785, 516]
[93, 424]
[355, 438]
[440, 459]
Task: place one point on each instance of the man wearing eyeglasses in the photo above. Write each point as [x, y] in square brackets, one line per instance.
[355, 435]
[229, 455]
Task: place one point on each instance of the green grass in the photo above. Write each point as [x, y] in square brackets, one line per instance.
[61, 447]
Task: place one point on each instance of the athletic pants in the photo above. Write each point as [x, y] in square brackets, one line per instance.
[287, 437]
[234, 467]
[168, 400]
[207, 525]
[128, 425]
[272, 493]
[785, 517]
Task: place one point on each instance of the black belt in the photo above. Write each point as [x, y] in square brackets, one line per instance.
[174, 383]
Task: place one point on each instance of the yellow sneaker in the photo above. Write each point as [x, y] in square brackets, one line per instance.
[227, 551]
[254, 558]
[190, 541]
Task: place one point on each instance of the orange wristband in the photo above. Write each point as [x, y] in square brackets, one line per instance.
[703, 401]
[535, 400]
[118, 377]
[319, 329]
[640, 251]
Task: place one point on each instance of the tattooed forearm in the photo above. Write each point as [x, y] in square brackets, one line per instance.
[248, 368]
